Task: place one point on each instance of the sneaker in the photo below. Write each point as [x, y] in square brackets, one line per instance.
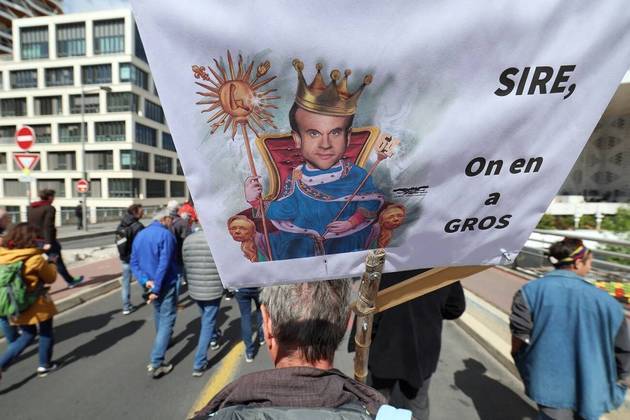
[127, 311]
[229, 295]
[75, 281]
[150, 368]
[214, 345]
[249, 358]
[44, 371]
[261, 341]
[161, 370]
[199, 372]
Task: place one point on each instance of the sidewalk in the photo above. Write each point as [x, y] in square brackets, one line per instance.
[97, 229]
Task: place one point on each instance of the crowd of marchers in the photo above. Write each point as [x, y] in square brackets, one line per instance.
[570, 341]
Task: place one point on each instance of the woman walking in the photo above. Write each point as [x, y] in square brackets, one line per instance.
[20, 245]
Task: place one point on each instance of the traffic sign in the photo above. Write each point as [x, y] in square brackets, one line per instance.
[26, 161]
[25, 137]
[83, 186]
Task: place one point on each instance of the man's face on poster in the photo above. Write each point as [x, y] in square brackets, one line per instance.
[240, 230]
[322, 138]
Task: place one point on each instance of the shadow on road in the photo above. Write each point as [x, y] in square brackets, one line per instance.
[18, 384]
[491, 398]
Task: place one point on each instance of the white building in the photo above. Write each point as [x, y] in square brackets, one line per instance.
[129, 153]
[13, 9]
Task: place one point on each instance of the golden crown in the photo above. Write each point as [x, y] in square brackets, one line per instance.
[331, 99]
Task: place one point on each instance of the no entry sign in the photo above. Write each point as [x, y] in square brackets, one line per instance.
[83, 186]
[25, 137]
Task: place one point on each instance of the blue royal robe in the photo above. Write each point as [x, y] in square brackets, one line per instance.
[310, 200]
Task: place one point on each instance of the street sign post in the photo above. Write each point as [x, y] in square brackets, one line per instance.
[25, 137]
[83, 186]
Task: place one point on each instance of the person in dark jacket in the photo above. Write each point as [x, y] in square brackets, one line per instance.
[78, 213]
[154, 264]
[303, 325]
[126, 231]
[204, 287]
[41, 214]
[180, 228]
[406, 344]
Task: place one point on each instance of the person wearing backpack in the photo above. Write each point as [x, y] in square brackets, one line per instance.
[23, 298]
[126, 231]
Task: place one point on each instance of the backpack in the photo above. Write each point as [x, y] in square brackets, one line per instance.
[14, 298]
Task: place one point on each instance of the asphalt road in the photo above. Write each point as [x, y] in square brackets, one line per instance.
[104, 356]
[98, 241]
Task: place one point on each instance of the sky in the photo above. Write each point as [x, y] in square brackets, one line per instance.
[73, 6]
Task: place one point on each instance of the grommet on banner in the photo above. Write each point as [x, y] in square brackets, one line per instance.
[506, 258]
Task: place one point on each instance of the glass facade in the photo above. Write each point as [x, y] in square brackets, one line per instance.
[62, 161]
[178, 189]
[13, 107]
[90, 106]
[110, 131]
[96, 74]
[122, 102]
[123, 187]
[3, 162]
[109, 36]
[21, 79]
[153, 111]
[71, 39]
[7, 134]
[60, 76]
[131, 73]
[15, 188]
[99, 161]
[47, 105]
[34, 42]
[146, 135]
[156, 188]
[71, 133]
[162, 164]
[179, 170]
[43, 133]
[134, 160]
[167, 142]
[58, 185]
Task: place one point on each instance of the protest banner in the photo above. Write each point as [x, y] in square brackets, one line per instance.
[310, 133]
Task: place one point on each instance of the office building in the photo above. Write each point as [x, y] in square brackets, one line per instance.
[15, 9]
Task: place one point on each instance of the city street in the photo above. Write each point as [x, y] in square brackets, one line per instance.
[104, 356]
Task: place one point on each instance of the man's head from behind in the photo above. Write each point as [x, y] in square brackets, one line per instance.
[304, 323]
[164, 217]
[136, 211]
[47, 195]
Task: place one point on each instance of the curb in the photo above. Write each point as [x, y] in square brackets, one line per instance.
[86, 236]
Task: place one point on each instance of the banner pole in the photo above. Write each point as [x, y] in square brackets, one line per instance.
[365, 308]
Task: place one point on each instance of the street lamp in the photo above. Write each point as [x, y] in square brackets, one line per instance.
[83, 140]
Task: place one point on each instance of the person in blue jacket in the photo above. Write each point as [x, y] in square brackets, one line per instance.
[570, 340]
[154, 264]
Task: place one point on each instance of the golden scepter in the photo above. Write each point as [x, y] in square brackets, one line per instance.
[238, 102]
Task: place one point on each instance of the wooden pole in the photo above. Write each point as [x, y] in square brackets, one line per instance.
[364, 308]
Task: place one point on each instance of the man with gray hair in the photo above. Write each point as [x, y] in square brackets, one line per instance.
[303, 325]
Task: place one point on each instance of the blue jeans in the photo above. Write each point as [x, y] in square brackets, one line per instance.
[126, 286]
[164, 312]
[245, 298]
[28, 333]
[55, 249]
[209, 331]
[9, 331]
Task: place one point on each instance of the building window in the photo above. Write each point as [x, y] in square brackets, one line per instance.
[91, 104]
[156, 188]
[3, 161]
[21, 79]
[43, 133]
[119, 187]
[95, 190]
[146, 135]
[178, 189]
[34, 42]
[110, 131]
[162, 164]
[62, 161]
[60, 76]
[71, 133]
[153, 111]
[122, 102]
[13, 107]
[167, 142]
[15, 188]
[48, 105]
[58, 185]
[131, 73]
[99, 161]
[71, 39]
[7, 134]
[179, 170]
[109, 36]
[96, 74]
[134, 160]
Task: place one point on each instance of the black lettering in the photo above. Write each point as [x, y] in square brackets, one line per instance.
[505, 80]
[561, 77]
[483, 225]
[492, 199]
[452, 226]
[516, 166]
[481, 162]
[495, 165]
[534, 161]
[571, 89]
[539, 80]
[503, 221]
[523, 82]
[469, 224]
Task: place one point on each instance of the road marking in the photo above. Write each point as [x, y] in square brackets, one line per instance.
[221, 377]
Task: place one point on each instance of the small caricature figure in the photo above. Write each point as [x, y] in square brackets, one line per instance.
[243, 230]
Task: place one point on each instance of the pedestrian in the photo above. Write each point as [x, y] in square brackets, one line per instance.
[4, 222]
[304, 324]
[9, 331]
[402, 372]
[188, 208]
[78, 214]
[204, 287]
[570, 340]
[21, 247]
[180, 228]
[245, 297]
[41, 214]
[126, 231]
[154, 264]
